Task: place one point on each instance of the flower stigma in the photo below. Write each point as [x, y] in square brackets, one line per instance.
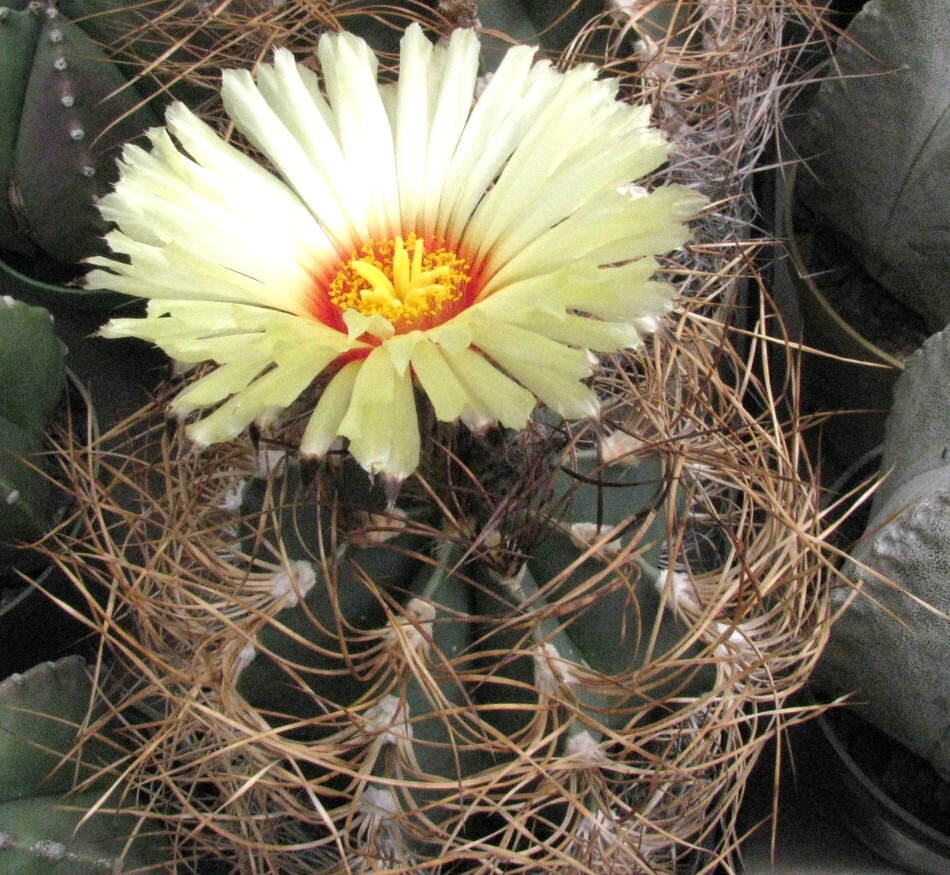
[403, 282]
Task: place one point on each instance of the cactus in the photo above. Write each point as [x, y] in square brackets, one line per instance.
[617, 635]
[892, 644]
[32, 373]
[549, 655]
[541, 659]
[888, 104]
[65, 107]
[48, 791]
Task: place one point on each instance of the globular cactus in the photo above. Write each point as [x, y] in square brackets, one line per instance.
[65, 108]
[32, 373]
[549, 657]
[563, 617]
[891, 646]
[886, 101]
[50, 788]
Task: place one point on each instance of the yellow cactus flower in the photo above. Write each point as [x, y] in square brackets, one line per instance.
[416, 243]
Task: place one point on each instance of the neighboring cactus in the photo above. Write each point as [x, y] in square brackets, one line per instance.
[891, 647]
[32, 374]
[887, 103]
[65, 108]
[49, 787]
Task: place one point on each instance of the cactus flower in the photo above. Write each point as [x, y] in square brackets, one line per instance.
[416, 245]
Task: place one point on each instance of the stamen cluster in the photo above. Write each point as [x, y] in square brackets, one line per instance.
[400, 280]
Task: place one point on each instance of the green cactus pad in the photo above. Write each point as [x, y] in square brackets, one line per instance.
[46, 835]
[44, 828]
[306, 633]
[26, 505]
[32, 374]
[19, 34]
[32, 366]
[77, 110]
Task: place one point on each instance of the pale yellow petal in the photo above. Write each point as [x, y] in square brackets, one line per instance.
[565, 395]
[550, 370]
[412, 123]
[363, 129]
[448, 396]
[245, 183]
[543, 147]
[324, 424]
[506, 342]
[491, 139]
[491, 390]
[358, 324]
[218, 386]
[496, 127]
[614, 225]
[452, 107]
[275, 390]
[293, 92]
[582, 331]
[255, 118]
[381, 422]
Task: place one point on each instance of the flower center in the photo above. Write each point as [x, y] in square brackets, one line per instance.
[402, 282]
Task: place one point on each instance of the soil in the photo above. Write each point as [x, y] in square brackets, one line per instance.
[856, 296]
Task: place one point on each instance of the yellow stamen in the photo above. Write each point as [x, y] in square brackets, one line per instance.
[382, 279]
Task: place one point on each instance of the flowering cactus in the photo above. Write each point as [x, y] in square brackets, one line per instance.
[517, 661]
[476, 253]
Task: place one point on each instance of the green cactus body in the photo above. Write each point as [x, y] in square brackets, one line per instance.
[427, 669]
[32, 373]
[45, 827]
[65, 107]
